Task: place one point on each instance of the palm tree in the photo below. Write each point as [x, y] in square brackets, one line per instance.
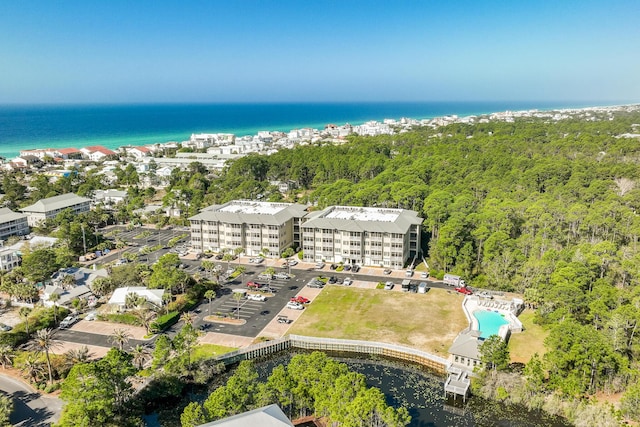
[270, 271]
[188, 318]
[79, 355]
[238, 297]
[68, 281]
[54, 298]
[140, 355]
[24, 313]
[208, 266]
[120, 337]
[210, 295]
[6, 355]
[45, 341]
[241, 269]
[227, 257]
[32, 367]
[237, 252]
[133, 300]
[146, 318]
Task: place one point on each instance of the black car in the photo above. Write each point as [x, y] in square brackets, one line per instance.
[219, 257]
[332, 279]
[355, 268]
[333, 266]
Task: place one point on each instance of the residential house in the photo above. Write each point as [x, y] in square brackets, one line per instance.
[267, 416]
[119, 298]
[97, 152]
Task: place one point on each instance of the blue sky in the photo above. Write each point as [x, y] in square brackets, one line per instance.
[286, 51]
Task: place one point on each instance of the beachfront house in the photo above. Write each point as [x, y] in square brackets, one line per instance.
[97, 153]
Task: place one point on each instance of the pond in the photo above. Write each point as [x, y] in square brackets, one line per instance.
[422, 393]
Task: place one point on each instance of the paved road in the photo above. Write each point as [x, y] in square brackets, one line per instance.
[30, 409]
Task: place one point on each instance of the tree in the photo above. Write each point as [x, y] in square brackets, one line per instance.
[193, 415]
[6, 355]
[494, 353]
[79, 355]
[54, 298]
[237, 296]
[630, 402]
[6, 408]
[145, 317]
[39, 264]
[45, 342]
[210, 295]
[24, 313]
[96, 393]
[140, 355]
[120, 338]
[32, 368]
[241, 269]
[161, 352]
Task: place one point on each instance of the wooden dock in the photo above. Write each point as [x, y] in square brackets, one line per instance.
[458, 382]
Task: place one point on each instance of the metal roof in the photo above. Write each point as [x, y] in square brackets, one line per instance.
[252, 212]
[54, 203]
[361, 219]
[7, 215]
[267, 416]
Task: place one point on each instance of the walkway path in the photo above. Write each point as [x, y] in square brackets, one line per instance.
[31, 409]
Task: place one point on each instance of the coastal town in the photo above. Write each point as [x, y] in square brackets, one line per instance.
[128, 262]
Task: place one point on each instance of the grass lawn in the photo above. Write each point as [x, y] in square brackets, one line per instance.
[428, 322]
[523, 345]
[206, 351]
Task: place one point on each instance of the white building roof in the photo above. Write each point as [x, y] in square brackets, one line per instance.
[152, 295]
[7, 215]
[252, 212]
[268, 416]
[361, 219]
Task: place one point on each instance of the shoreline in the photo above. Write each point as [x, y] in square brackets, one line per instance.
[11, 148]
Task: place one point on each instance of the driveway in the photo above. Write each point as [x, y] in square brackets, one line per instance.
[31, 409]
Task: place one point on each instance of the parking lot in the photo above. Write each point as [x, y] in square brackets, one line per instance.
[260, 317]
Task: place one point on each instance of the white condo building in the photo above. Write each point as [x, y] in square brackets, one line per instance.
[44, 209]
[247, 224]
[360, 235]
[12, 224]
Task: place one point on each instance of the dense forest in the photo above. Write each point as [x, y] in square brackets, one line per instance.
[544, 208]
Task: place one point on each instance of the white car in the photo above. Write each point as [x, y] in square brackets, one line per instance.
[388, 286]
[91, 316]
[256, 297]
[424, 275]
[319, 265]
[295, 306]
[257, 260]
[347, 281]
[292, 262]
[282, 276]
[68, 321]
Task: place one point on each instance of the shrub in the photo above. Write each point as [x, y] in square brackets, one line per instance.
[166, 320]
[380, 285]
[126, 318]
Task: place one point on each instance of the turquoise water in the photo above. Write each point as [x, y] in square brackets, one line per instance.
[59, 126]
[489, 322]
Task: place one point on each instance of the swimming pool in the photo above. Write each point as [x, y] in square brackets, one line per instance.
[489, 322]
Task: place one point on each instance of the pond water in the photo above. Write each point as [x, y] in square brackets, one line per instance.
[422, 393]
[489, 322]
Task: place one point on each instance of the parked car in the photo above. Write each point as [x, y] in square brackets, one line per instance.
[347, 281]
[485, 294]
[315, 283]
[256, 297]
[424, 274]
[265, 276]
[388, 286]
[284, 319]
[68, 321]
[256, 260]
[319, 265]
[465, 291]
[254, 285]
[5, 328]
[346, 267]
[295, 306]
[282, 276]
[300, 300]
[387, 271]
[333, 266]
[332, 280]
[423, 288]
[91, 316]
[219, 257]
[292, 262]
[408, 273]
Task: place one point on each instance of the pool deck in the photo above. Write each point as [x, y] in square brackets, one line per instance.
[507, 309]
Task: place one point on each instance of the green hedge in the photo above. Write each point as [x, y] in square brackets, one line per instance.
[164, 321]
[126, 318]
[38, 319]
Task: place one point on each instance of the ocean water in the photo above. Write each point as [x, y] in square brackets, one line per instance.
[113, 126]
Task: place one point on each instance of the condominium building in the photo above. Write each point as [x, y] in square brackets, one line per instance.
[12, 224]
[250, 225]
[359, 235]
[49, 208]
